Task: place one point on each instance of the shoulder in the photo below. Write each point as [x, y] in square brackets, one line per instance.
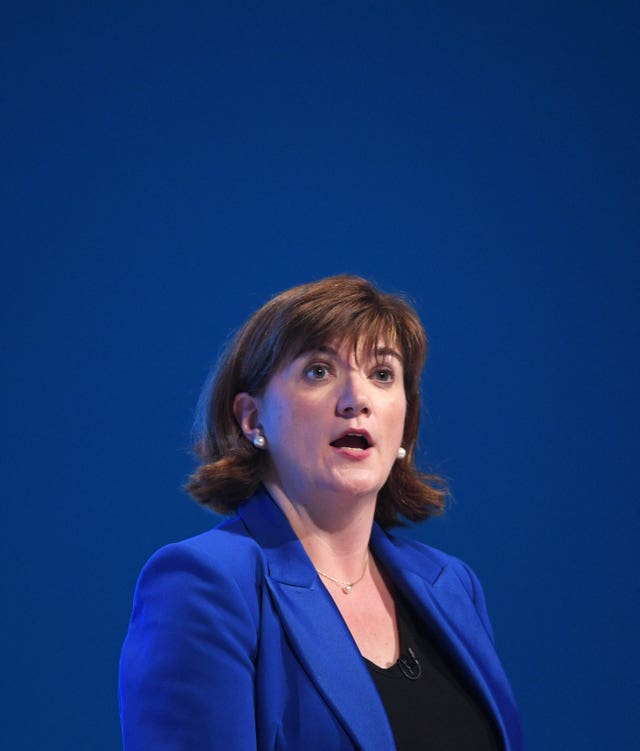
[227, 547]
[442, 570]
[187, 662]
[219, 570]
[425, 558]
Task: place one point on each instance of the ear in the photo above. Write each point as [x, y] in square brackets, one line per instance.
[246, 411]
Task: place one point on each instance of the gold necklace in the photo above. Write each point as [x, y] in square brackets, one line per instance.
[347, 586]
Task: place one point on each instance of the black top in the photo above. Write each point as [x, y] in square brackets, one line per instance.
[427, 704]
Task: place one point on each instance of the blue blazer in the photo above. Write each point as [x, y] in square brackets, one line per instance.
[235, 644]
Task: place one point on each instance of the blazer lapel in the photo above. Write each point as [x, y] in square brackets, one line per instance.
[326, 649]
[315, 628]
[440, 599]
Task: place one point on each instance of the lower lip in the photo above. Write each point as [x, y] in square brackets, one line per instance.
[355, 454]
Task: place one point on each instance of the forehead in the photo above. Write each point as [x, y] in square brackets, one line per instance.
[360, 350]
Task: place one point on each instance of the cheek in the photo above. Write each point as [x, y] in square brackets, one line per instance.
[399, 418]
[288, 423]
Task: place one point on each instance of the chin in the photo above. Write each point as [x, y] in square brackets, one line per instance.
[356, 487]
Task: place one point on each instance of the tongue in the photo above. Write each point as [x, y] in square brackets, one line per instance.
[350, 442]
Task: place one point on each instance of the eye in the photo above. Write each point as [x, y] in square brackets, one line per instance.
[383, 374]
[317, 372]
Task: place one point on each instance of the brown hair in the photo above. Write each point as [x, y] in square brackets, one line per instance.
[339, 308]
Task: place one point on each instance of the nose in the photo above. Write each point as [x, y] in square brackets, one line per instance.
[353, 400]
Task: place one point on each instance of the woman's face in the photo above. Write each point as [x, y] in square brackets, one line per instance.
[333, 422]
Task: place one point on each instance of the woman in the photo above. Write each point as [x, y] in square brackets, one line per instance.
[301, 623]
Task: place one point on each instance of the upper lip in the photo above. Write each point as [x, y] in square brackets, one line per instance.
[355, 431]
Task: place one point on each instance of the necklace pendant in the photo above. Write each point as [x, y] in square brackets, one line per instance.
[347, 588]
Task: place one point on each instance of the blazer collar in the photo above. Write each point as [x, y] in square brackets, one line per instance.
[324, 645]
[445, 604]
[315, 628]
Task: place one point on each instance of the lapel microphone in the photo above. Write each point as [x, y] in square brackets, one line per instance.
[410, 665]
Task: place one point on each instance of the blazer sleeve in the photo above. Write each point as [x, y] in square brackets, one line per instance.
[187, 669]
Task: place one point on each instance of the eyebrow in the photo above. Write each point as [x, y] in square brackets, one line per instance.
[378, 352]
[382, 351]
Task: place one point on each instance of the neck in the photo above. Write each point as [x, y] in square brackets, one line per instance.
[335, 534]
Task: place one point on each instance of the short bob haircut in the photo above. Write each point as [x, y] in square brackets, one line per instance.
[338, 309]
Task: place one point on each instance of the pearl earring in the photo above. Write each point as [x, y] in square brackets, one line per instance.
[259, 441]
[402, 452]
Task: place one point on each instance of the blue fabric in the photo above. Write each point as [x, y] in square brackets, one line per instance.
[235, 644]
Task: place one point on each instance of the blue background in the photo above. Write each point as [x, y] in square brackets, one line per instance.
[168, 166]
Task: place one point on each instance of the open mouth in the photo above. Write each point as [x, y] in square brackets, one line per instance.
[351, 441]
